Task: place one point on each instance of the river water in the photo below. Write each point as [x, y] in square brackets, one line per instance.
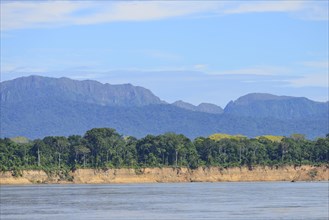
[242, 200]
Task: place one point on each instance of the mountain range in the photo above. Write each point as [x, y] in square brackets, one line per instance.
[37, 106]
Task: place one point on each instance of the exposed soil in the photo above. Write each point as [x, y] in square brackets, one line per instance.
[153, 175]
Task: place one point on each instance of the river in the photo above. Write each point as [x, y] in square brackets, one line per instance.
[238, 200]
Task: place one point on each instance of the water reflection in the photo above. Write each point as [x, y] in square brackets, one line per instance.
[257, 200]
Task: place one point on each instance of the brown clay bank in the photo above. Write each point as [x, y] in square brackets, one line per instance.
[167, 175]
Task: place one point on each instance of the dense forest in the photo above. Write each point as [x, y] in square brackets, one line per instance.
[103, 148]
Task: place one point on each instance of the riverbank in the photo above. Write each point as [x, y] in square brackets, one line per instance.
[153, 175]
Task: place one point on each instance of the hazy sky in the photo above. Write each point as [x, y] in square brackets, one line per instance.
[196, 51]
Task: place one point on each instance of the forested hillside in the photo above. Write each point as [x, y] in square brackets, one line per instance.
[258, 105]
[37, 106]
[105, 148]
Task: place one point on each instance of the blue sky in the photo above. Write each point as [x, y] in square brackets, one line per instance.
[196, 51]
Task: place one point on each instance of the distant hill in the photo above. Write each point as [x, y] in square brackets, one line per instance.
[203, 107]
[36, 106]
[36, 88]
[258, 105]
[210, 108]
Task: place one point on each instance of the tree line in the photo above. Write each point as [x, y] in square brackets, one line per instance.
[104, 148]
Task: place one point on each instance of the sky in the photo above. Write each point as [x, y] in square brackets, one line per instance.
[195, 51]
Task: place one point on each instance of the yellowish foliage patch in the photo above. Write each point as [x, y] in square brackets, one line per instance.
[271, 138]
[220, 136]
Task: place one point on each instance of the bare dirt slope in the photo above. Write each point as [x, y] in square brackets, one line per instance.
[152, 175]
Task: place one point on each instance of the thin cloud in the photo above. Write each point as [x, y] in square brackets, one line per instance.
[257, 70]
[317, 64]
[306, 10]
[313, 74]
[305, 74]
[20, 15]
[143, 11]
[314, 10]
[316, 80]
[200, 67]
[8, 69]
[45, 14]
[268, 6]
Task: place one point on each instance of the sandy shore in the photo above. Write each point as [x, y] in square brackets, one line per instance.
[153, 175]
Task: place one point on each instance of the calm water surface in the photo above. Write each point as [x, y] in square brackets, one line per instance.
[256, 200]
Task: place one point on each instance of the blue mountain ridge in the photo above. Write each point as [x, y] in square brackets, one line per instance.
[37, 106]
